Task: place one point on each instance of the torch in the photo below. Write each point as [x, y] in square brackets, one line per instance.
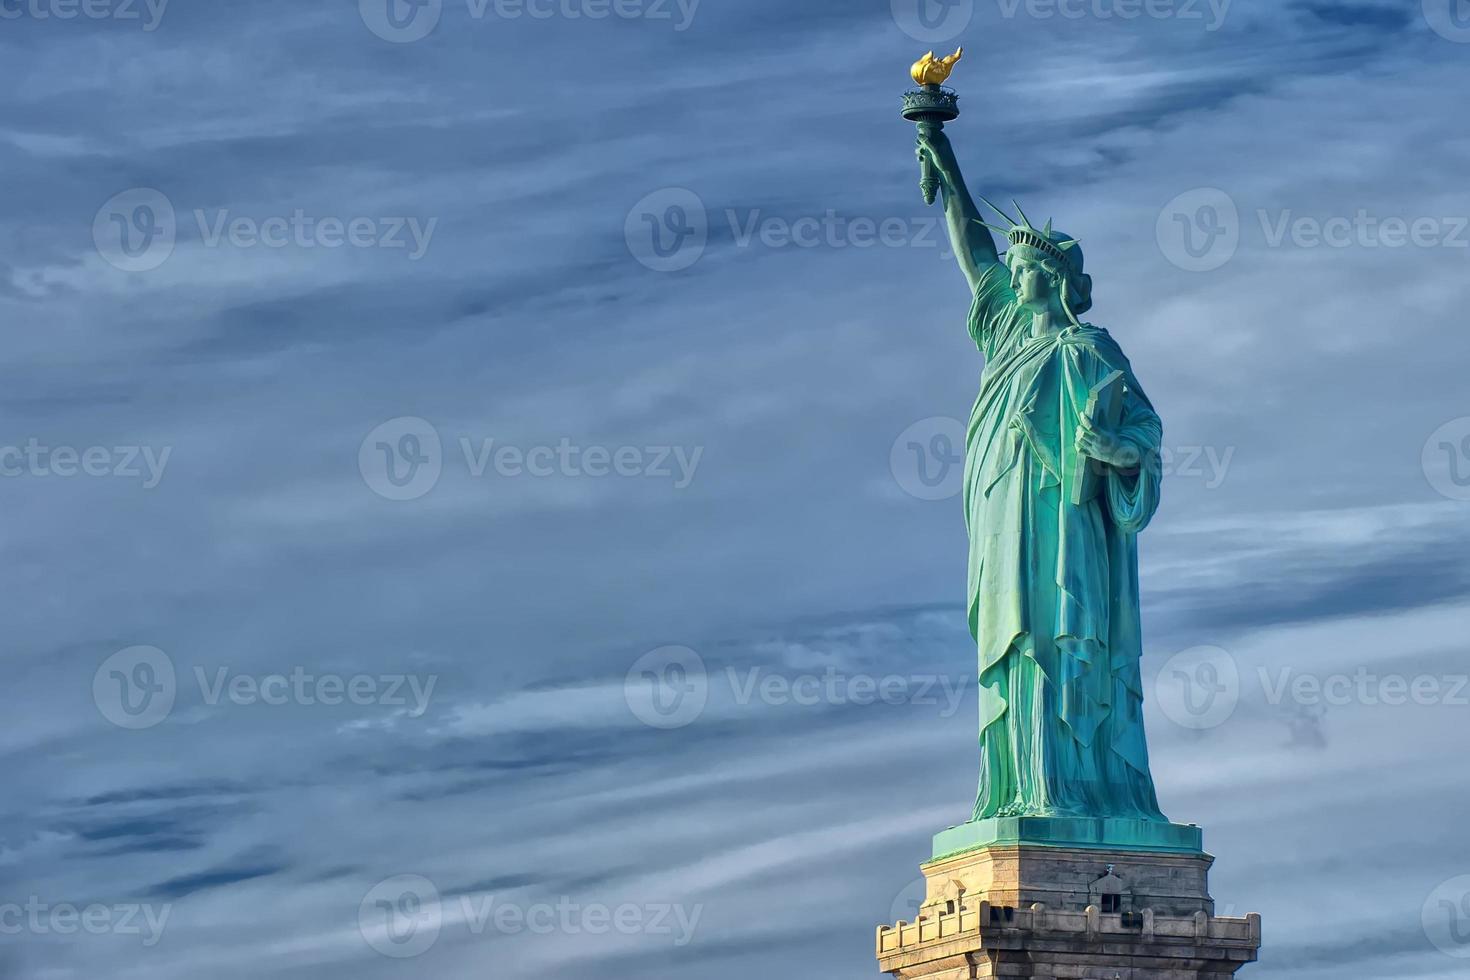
[930, 106]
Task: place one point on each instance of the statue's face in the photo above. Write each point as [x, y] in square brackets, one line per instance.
[1032, 284]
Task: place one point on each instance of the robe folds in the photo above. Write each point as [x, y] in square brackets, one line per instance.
[1053, 586]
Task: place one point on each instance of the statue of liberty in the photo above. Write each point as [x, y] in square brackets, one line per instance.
[1056, 491]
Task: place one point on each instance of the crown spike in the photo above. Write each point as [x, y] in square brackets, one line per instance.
[998, 211]
[1003, 232]
[1046, 232]
[1024, 220]
[1068, 245]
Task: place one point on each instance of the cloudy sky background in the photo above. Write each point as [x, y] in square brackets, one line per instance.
[1315, 522]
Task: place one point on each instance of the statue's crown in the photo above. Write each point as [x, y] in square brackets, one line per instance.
[1043, 240]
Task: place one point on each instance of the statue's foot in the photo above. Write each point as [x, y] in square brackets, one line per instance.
[1023, 810]
[1061, 811]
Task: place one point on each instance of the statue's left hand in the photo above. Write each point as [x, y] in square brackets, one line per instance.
[1105, 445]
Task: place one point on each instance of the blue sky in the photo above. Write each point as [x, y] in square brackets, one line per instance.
[253, 254]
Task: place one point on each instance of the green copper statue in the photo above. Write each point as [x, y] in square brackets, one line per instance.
[1054, 498]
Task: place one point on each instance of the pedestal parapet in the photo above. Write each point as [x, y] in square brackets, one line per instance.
[1054, 913]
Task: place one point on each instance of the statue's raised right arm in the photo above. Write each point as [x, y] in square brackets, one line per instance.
[974, 249]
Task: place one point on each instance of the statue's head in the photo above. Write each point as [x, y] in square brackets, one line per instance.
[1046, 266]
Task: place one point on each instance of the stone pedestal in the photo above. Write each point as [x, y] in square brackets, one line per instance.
[1068, 913]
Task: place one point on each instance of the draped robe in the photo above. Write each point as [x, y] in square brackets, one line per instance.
[1053, 586]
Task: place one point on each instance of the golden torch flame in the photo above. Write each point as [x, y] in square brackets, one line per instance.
[930, 70]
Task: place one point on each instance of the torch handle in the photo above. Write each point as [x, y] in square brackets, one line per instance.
[928, 181]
